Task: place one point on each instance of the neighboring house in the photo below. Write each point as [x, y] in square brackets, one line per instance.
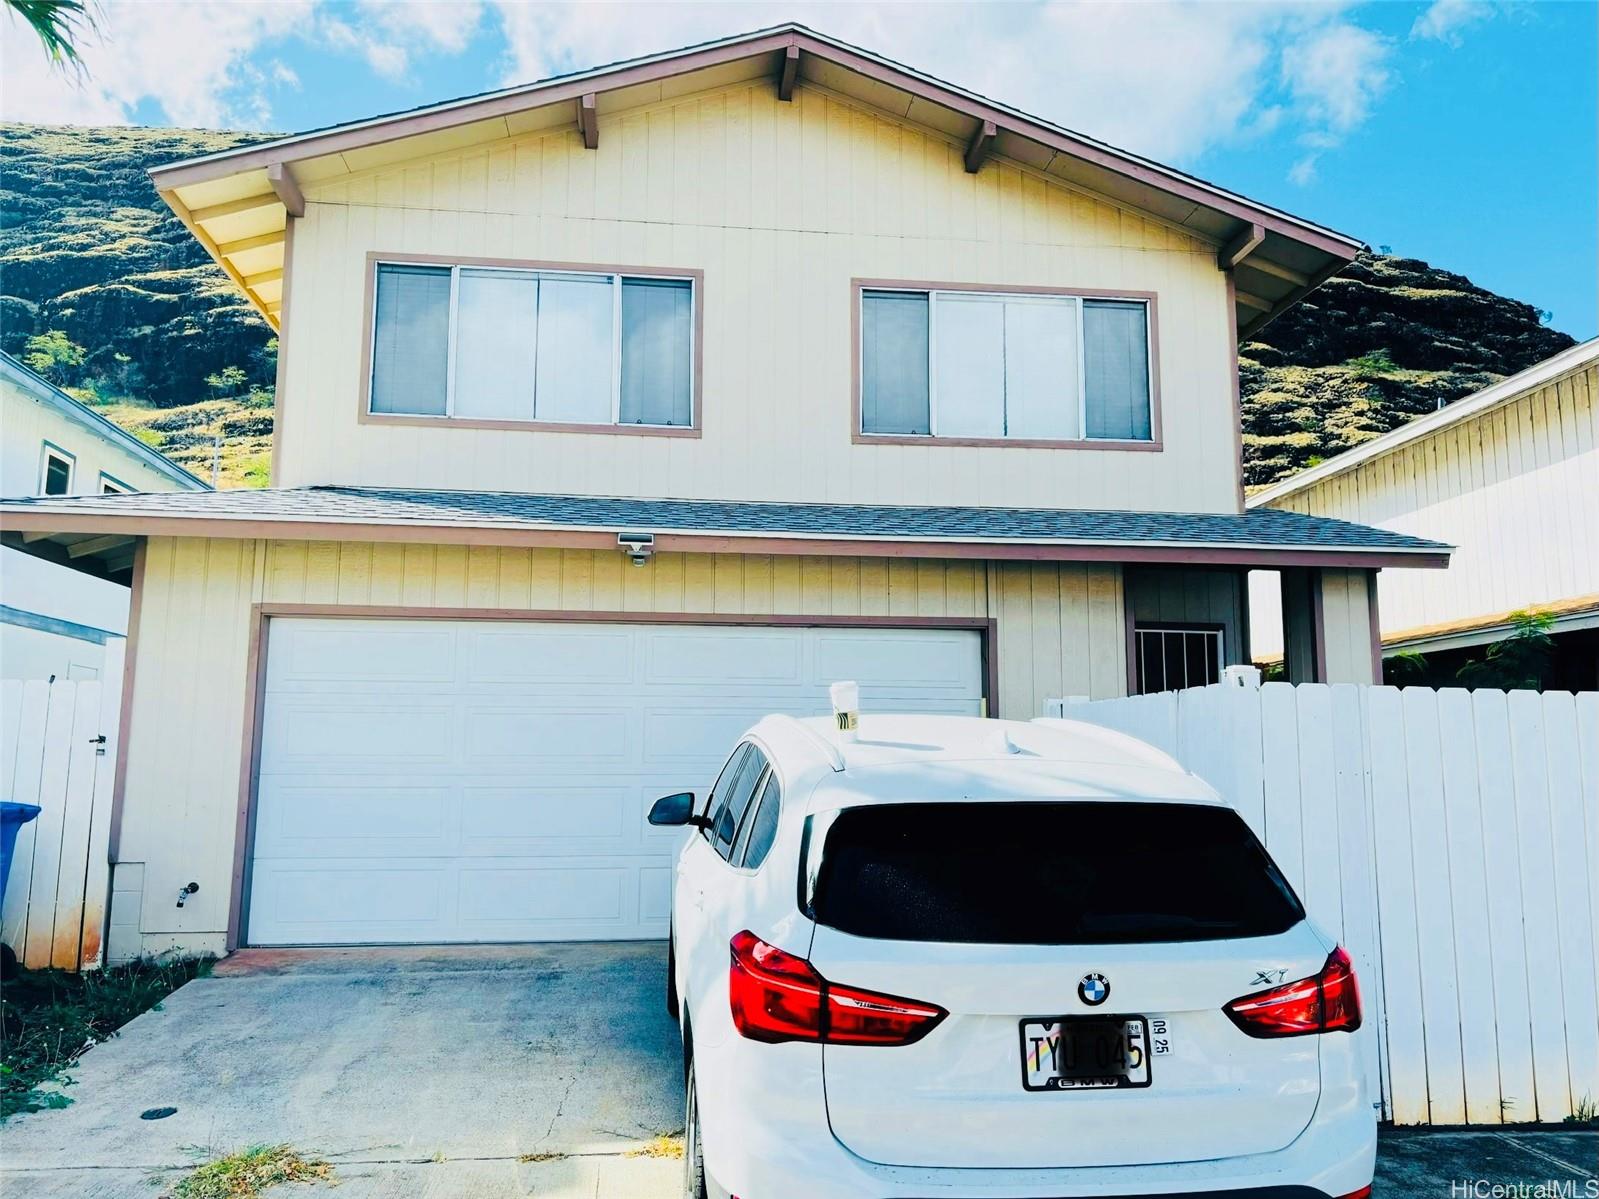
[1508, 475]
[56, 621]
[619, 409]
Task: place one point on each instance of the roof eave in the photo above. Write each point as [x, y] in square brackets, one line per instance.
[24, 526]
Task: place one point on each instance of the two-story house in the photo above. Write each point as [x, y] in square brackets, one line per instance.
[55, 621]
[620, 408]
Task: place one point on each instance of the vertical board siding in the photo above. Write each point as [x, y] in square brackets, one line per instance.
[1447, 839]
[1060, 628]
[781, 205]
[1511, 488]
[55, 899]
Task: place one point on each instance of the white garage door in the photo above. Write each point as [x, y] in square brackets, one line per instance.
[432, 781]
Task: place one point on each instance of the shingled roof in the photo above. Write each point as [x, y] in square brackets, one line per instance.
[1255, 537]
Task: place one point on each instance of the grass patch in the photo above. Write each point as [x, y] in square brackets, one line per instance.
[245, 1174]
[661, 1146]
[48, 1018]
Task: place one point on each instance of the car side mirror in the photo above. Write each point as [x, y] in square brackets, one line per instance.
[676, 810]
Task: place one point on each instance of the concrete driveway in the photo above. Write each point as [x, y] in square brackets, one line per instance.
[425, 1072]
[476, 1073]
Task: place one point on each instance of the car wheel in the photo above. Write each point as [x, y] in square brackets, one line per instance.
[693, 1151]
[671, 977]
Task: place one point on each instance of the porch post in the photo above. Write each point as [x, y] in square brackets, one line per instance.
[1330, 625]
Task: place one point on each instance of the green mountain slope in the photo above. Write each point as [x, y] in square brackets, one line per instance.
[172, 350]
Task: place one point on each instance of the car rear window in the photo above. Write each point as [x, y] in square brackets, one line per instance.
[1041, 873]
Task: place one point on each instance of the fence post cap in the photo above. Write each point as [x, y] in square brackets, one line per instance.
[1245, 677]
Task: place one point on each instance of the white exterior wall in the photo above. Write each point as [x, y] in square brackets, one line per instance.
[1515, 489]
[28, 423]
[781, 205]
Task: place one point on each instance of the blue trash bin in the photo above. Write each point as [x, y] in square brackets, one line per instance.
[12, 817]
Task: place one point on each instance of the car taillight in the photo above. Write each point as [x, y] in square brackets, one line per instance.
[776, 996]
[1327, 1001]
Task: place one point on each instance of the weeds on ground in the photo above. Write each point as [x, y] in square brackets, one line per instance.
[48, 1018]
[533, 1158]
[1585, 1113]
[245, 1174]
[661, 1146]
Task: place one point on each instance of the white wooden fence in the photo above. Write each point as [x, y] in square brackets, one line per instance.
[1450, 840]
[50, 755]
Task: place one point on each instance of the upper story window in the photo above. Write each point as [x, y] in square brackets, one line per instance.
[56, 468]
[111, 485]
[554, 347]
[1005, 366]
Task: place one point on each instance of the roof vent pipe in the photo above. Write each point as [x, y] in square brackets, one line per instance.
[846, 697]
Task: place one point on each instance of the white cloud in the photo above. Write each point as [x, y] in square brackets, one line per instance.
[1337, 74]
[1169, 79]
[1444, 19]
[1303, 172]
[194, 58]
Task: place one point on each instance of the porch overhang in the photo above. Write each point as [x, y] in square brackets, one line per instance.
[101, 528]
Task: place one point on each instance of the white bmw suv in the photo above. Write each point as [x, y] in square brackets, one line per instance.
[970, 957]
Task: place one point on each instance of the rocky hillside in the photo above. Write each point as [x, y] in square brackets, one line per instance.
[1387, 340]
[104, 291]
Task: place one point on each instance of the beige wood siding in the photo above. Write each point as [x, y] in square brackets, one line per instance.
[1515, 489]
[781, 205]
[1060, 632]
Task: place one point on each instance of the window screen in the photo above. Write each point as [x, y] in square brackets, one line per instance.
[894, 362]
[1042, 873]
[1116, 369]
[657, 352]
[411, 340]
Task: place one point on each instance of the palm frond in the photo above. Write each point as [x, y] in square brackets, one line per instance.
[58, 23]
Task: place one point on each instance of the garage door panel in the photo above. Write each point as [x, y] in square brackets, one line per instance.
[298, 733]
[509, 894]
[494, 735]
[550, 818]
[723, 657]
[573, 655]
[335, 893]
[315, 818]
[496, 789]
[318, 651]
[901, 664]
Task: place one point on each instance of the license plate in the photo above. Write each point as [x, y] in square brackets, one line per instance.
[1073, 1053]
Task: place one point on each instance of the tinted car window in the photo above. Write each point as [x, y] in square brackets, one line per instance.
[761, 828]
[724, 826]
[1079, 873]
[716, 802]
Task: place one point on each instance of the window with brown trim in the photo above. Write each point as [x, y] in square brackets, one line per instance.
[1171, 657]
[491, 343]
[1003, 365]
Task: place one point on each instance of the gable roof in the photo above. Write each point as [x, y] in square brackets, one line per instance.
[1550, 370]
[237, 202]
[48, 394]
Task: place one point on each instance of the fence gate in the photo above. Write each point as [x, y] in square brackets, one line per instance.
[58, 749]
[1450, 840]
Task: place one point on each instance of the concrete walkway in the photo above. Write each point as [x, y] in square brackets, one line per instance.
[415, 1072]
[478, 1073]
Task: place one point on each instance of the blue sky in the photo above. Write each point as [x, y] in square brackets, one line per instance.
[1463, 132]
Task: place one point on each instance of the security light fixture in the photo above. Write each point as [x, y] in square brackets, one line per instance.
[637, 546]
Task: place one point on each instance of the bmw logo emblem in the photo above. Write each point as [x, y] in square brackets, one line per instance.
[1093, 990]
